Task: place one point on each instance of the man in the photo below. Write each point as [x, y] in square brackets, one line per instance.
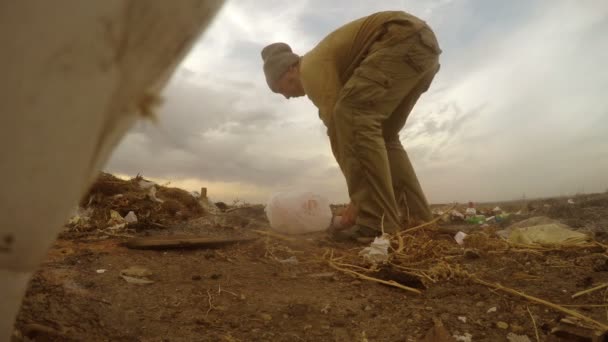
[365, 78]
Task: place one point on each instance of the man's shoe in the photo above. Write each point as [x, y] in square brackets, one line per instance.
[357, 233]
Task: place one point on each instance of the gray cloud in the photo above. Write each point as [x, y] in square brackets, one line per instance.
[518, 106]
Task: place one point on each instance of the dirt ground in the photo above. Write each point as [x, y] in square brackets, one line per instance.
[303, 288]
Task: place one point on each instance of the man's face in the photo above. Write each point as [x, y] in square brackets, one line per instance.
[289, 84]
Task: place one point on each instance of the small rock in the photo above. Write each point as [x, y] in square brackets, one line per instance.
[131, 217]
[100, 271]
[466, 337]
[196, 277]
[266, 317]
[463, 319]
[502, 325]
[492, 309]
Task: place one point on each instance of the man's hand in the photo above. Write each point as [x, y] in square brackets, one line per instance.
[349, 216]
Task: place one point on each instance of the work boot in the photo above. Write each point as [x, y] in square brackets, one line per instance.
[357, 233]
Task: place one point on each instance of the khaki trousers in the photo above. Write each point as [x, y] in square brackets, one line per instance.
[372, 108]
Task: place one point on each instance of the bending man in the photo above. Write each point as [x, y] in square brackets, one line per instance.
[365, 78]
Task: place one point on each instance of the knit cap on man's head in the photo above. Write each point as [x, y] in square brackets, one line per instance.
[277, 57]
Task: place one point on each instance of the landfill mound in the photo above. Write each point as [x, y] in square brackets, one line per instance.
[510, 271]
[153, 205]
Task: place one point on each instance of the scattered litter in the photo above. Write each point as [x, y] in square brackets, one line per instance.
[491, 219]
[152, 195]
[512, 337]
[548, 234]
[377, 252]
[136, 275]
[115, 218]
[101, 270]
[139, 281]
[298, 212]
[570, 201]
[463, 338]
[477, 219]
[463, 319]
[497, 210]
[459, 237]
[457, 214]
[131, 217]
[470, 211]
[146, 185]
[292, 260]
[136, 271]
[573, 329]
[502, 217]
[502, 325]
[492, 309]
[116, 221]
[80, 217]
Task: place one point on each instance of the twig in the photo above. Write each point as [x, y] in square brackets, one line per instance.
[585, 305]
[274, 235]
[534, 323]
[385, 282]
[129, 236]
[211, 306]
[584, 292]
[435, 220]
[353, 266]
[541, 301]
[219, 291]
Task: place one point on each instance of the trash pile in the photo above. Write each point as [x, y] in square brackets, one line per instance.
[420, 258]
[113, 205]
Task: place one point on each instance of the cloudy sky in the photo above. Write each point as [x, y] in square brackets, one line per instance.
[520, 106]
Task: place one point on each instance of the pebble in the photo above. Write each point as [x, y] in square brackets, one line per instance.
[502, 325]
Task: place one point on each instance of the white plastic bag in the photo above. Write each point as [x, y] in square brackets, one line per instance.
[377, 252]
[298, 212]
